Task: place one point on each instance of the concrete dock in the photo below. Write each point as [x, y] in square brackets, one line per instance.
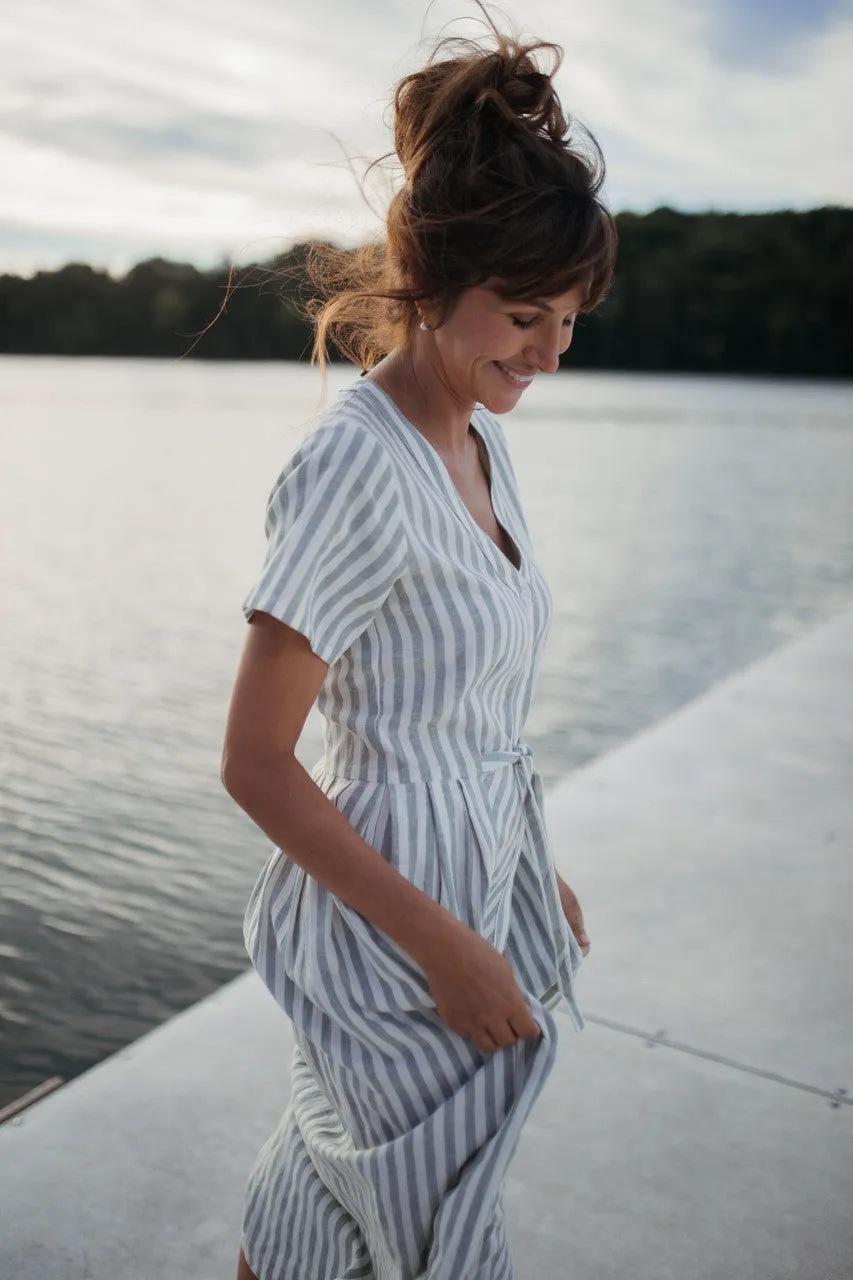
[699, 1128]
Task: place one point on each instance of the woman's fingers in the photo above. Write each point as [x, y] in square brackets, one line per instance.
[574, 915]
[526, 1025]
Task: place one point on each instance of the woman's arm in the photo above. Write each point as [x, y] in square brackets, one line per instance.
[277, 682]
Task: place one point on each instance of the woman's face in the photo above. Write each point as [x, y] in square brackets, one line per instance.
[491, 349]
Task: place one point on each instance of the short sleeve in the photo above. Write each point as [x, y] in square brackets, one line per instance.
[336, 538]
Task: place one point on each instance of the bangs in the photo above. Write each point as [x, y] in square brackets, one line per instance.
[556, 255]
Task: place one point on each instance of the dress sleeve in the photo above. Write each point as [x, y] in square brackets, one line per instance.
[336, 538]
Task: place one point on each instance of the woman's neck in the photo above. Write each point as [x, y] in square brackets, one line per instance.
[416, 383]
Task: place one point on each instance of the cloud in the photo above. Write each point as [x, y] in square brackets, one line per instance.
[202, 129]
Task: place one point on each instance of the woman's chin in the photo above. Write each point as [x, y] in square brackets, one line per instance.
[498, 401]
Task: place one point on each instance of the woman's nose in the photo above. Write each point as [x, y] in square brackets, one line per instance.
[545, 351]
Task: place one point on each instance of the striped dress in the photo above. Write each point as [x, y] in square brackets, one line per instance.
[389, 1160]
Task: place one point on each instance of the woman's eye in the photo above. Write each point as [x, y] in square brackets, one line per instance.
[527, 324]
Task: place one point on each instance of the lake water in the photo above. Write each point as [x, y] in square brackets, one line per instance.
[687, 527]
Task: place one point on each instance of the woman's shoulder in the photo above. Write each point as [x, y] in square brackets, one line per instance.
[343, 438]
[340, 474]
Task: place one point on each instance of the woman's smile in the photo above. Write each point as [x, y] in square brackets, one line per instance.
[518, 380]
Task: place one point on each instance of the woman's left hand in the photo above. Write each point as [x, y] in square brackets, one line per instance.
[572, 912]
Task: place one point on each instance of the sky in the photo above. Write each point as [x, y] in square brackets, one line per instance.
[202, 130]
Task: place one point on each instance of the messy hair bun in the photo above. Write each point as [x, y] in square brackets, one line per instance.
[480, 93]
[493, 189]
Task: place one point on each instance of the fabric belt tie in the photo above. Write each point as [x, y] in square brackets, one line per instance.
[519, 754]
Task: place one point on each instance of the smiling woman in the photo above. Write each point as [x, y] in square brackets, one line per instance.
[494, 189]
[410, 921]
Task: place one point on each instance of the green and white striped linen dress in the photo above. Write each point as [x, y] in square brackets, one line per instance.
[389, 1160]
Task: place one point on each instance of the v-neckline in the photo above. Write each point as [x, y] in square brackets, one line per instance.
[489, 470]
[429, 454]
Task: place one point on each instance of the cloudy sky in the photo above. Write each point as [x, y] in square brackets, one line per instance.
[200, 129]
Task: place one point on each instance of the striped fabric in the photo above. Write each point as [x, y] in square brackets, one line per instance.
[390, 1158]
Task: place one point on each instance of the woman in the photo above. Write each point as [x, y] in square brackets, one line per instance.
[410, 920]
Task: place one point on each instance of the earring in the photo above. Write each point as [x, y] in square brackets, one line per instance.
[425, 326]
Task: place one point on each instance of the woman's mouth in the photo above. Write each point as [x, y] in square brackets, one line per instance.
[518, 380]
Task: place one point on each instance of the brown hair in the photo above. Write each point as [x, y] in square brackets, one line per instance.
[493, 189]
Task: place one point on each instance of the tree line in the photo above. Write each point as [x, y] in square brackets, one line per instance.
[765, 293]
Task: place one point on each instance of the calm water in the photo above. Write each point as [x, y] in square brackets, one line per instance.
[687, 527]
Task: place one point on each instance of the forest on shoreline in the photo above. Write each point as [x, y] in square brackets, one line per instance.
[765, 293]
